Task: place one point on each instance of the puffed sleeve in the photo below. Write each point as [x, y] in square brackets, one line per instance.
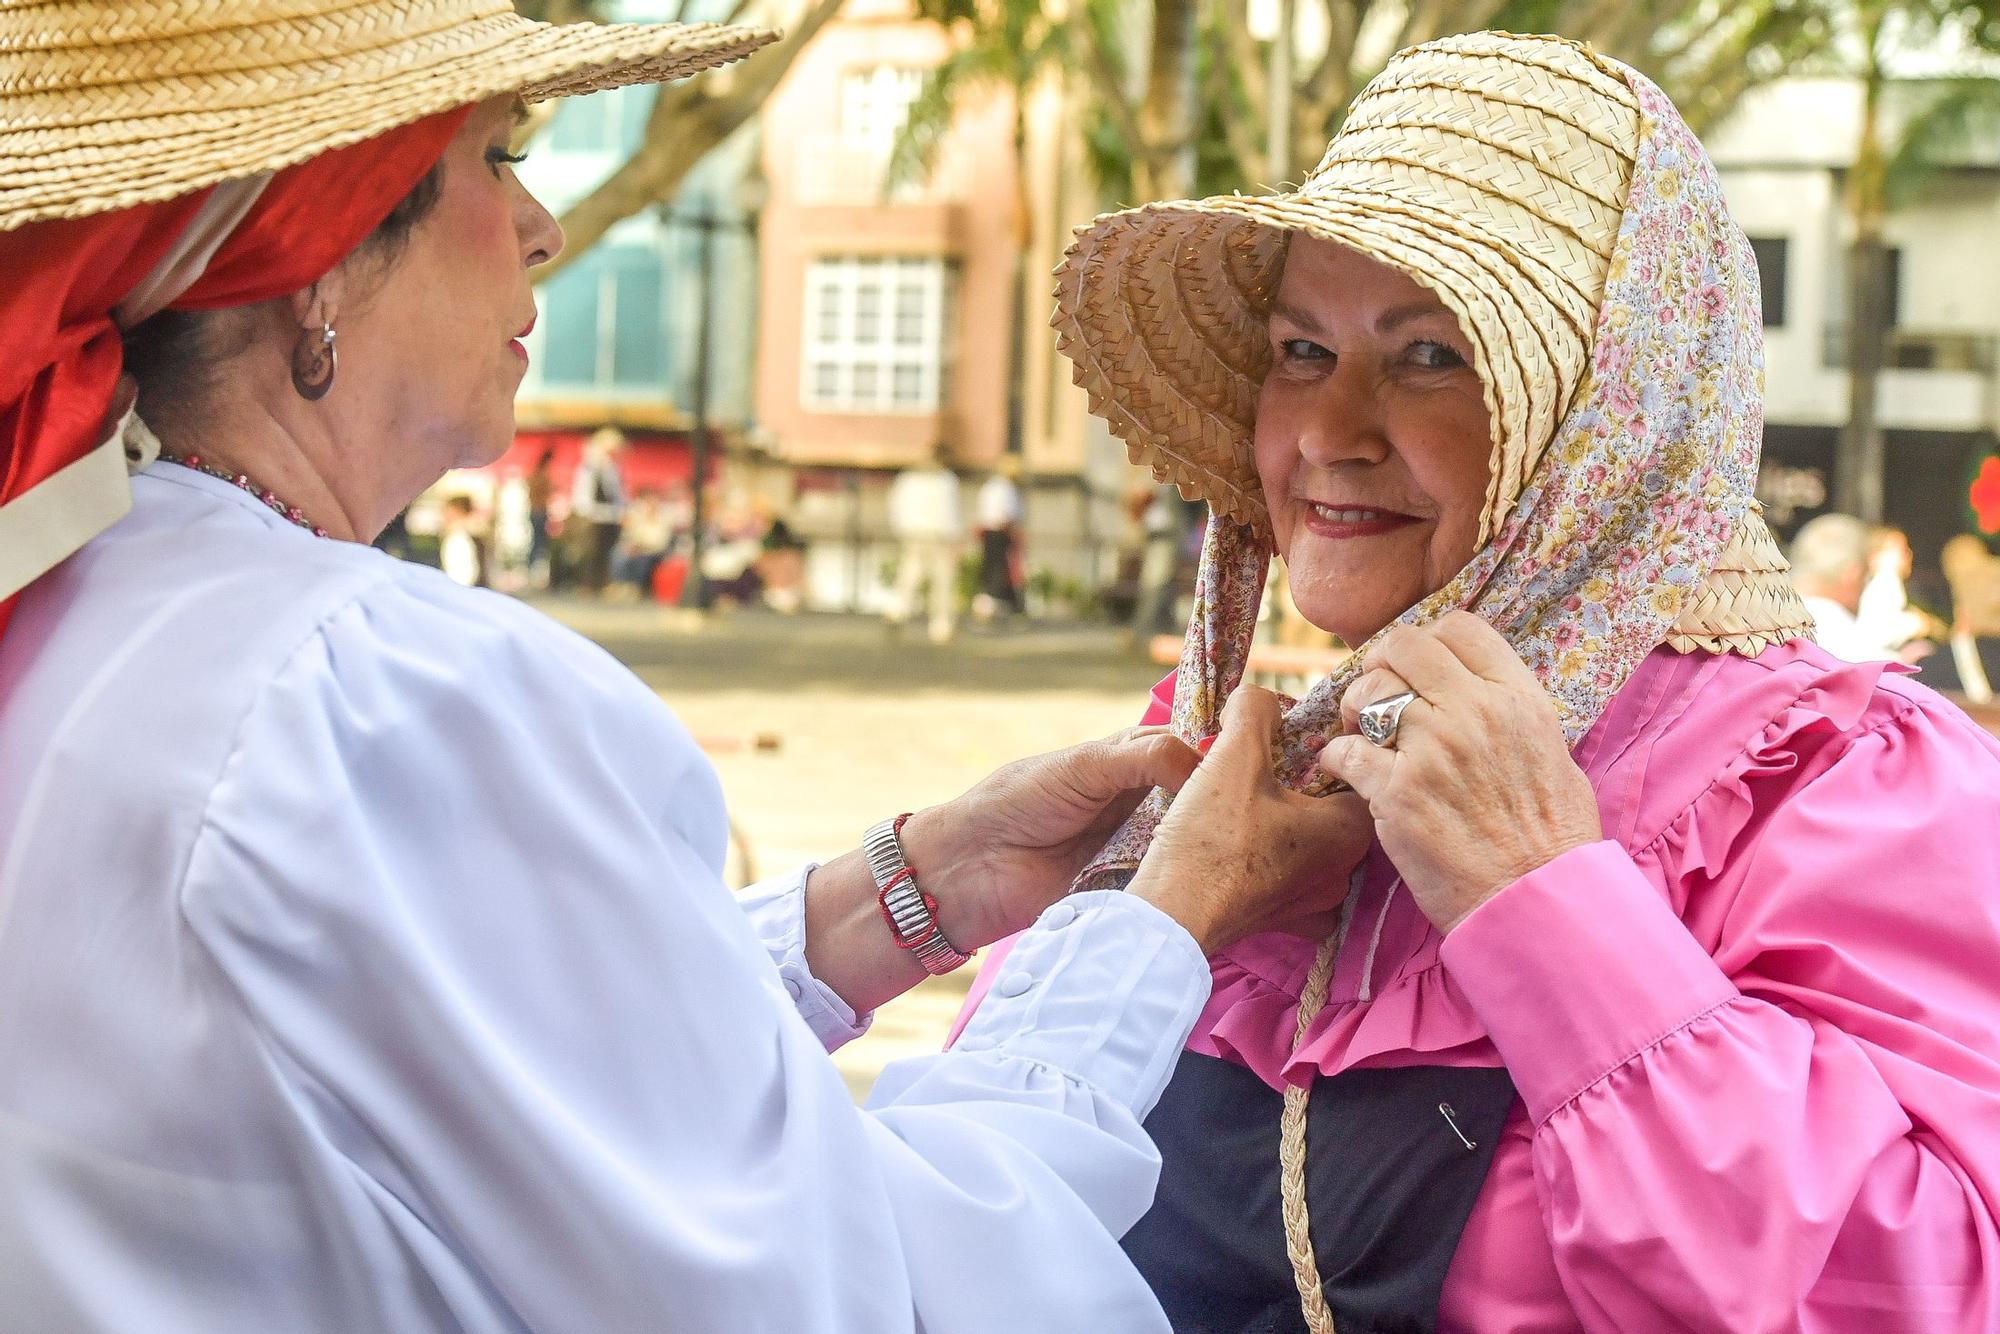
[776, 911]
[463, 872]
[1762, 1055]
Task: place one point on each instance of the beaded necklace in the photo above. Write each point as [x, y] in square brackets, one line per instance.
[291, 513]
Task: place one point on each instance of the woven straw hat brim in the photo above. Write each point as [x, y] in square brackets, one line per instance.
[1747, 602]
[1490, 169]
[85, 130]
[1162, 311]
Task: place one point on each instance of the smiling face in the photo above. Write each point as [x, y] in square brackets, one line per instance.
[434, 336]
[1373, 442]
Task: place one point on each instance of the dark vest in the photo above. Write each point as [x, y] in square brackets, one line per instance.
[1389, 1185]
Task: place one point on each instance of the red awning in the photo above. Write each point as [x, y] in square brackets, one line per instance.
[652, 461]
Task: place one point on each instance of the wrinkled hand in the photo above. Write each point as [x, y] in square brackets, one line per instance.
[1240, 853]
[1480, 788]
[1011, 846]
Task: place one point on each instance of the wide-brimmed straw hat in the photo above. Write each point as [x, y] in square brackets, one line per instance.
[1493, 168]
[1489, 167]
[107, 104]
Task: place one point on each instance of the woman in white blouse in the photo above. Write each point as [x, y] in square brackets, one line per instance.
[364, 963]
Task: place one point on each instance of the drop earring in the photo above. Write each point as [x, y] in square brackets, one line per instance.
[314, 363]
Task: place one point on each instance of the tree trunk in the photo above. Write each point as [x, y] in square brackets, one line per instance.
[689, 119]
[1278, 115]
[1024, 236]
[1163, 168]
[1858, 465]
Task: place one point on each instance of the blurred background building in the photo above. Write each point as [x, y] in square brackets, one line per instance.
[1785, 157]
[820, 265]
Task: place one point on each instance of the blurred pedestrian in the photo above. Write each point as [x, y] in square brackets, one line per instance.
[461, 552]
[924, 515]
[597, 500]
[781, 569]
[732, 550]
[997, 514]
[1166, 523]
[513, 535]
[541, 489]
[1884, 613]
[1829, 568]
[643, 542]
[1973, 663]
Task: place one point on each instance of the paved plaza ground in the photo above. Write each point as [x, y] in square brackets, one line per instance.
[856, 725]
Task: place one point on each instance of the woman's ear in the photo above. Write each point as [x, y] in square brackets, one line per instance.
[319, 303]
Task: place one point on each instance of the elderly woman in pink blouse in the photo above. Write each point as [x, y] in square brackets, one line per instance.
[1665, 998]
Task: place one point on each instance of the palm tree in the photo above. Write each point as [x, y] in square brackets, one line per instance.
[689, 118]
[1894, 158]
[1178, 96]
[1704, 53]
[1004, 47]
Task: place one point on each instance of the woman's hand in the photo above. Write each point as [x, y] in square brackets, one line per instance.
[993, 858]
[1239, 853]
[1012, 845]
[1479, 788]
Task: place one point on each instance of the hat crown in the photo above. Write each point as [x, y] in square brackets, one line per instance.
[1519, 129]
[41, 25]
[101, 44]
[107, 104]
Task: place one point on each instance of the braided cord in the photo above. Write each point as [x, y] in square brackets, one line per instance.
[1292, 1133]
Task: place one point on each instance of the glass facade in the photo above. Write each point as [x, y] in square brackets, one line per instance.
[618, 322]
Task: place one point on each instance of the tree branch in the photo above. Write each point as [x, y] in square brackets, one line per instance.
[1419, 16]
[1238, 126]
[1593, 20]
[1332, 79]
[687, 121]
[1709, 87]
[1167, 114]
[1233, 18]
[1108, 83]
[913, 155]
[559, 11]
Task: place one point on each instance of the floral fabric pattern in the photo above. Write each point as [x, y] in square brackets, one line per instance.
[1649, 474]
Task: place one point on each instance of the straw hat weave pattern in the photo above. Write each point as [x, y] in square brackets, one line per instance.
[108, 104]
[1490, 167]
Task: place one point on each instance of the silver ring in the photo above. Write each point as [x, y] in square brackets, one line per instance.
[1379, 721]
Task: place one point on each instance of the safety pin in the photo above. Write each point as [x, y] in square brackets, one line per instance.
[1451, 1119]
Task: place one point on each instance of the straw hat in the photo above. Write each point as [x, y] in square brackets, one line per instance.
[107, 104]
[1490, 167]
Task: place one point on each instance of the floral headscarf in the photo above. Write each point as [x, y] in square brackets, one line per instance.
[1649, 479]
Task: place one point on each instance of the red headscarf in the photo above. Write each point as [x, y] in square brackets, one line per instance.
[60, 353]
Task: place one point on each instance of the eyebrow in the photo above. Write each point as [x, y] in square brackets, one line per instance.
[1390, 319]
[1396, 316]
[520, 113]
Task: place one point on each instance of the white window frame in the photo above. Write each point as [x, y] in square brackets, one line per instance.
[876, 375]
[875, 103]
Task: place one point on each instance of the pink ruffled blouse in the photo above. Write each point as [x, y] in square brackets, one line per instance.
[1755, 1031]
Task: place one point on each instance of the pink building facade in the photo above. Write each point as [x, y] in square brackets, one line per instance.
[884, 314]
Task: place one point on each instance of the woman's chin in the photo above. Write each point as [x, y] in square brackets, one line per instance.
[1348, 597]
[1352, 624]
[487, 446]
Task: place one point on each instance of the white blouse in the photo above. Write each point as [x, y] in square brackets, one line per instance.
[365, 965]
